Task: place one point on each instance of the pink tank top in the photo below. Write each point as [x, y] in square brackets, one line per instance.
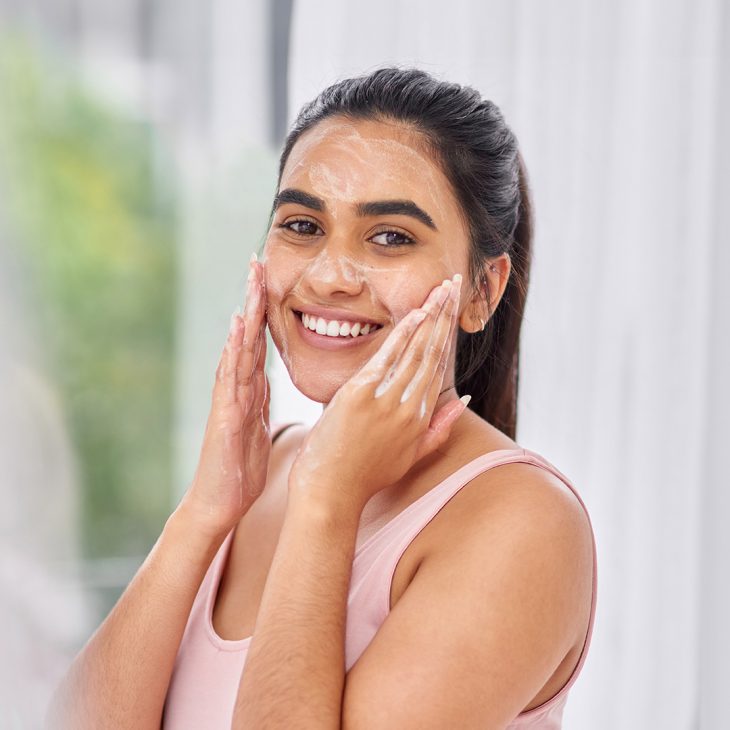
[208, 669]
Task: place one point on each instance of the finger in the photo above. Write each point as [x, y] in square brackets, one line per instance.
[414, 352]
[378, 369]
[440, 427]
[250, 392]
[267, 402]
[425, 353]
[224, 388]
[430, 394]
[374, 369]
[253, 318]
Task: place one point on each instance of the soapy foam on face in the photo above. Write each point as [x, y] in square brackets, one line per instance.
[365, 160]
[373, 156]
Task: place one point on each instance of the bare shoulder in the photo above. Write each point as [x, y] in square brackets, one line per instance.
[523, 518]
[519, 494]
[495, 616]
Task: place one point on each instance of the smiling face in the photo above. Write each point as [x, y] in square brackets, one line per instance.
[365, 226]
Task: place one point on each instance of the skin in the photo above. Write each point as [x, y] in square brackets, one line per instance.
[344, 262]
[390, 415]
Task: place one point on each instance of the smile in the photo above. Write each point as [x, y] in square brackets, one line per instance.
[332, 334]
[335, 328]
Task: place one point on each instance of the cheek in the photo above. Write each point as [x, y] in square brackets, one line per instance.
[281, 272]
[403, 293]
[277, 271]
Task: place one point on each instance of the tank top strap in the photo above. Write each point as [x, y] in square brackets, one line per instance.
[389, 544]
[404, 527]
[409, 523]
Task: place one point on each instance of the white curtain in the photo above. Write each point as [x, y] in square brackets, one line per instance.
[226, 185]
[619, 109]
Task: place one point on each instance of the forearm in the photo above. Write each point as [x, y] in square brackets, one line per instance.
[295, 668]
[120, 678]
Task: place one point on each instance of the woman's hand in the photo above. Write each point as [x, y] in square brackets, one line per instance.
[234, 457]
[382, 420]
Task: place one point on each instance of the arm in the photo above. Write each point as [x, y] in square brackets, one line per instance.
[295, 667]
[488, 617]
[120, 678]
[364, 441]
[479, 631]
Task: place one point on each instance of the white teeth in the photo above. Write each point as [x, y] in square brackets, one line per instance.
[333, 328]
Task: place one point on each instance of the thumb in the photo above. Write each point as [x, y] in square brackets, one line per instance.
[441, 424]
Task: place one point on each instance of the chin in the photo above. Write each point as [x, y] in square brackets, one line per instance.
[317, 375]
[312, 377]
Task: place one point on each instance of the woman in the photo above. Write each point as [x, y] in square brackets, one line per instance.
[378, 570]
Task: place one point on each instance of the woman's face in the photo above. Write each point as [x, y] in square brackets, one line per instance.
[365, 225]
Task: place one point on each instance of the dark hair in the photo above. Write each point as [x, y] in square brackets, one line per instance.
[479, 155]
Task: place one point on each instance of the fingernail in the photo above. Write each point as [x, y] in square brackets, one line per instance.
[442, 293]
[465, 399]
[457, 278]
[253, 258]
[234, 317]
[419, 315]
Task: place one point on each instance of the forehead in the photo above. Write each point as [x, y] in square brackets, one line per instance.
[346, 161]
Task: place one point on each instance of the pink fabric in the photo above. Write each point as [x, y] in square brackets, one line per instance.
[208, 668]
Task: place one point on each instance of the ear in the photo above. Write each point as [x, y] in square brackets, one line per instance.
[480, 307]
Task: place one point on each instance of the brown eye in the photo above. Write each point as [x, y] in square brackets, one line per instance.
[391, 238]
[301, 227]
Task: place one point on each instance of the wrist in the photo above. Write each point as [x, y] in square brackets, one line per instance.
[325, 500]
[205, 529]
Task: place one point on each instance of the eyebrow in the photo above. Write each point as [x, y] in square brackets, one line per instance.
[375, 207]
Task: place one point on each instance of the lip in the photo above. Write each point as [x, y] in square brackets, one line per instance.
[324, 342]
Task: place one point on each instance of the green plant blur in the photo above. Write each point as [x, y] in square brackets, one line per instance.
[85, 197]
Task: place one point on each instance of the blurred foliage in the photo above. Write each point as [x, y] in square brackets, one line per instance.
[85, 202]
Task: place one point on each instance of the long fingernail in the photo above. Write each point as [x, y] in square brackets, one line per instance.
[456, 288]
[443, 291]
[253, 258]
[465, 399]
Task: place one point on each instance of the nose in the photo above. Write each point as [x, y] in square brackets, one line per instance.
[333, 273]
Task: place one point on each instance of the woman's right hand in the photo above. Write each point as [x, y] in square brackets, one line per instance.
[234, 458]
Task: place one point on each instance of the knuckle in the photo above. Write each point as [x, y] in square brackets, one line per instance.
[434, 352]
[419, 356]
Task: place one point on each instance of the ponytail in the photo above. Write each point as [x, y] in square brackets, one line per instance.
[487, 361]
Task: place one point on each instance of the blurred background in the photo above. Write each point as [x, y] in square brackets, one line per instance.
[138, 151]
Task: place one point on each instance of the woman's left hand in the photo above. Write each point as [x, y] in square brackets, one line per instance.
[382, 420]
